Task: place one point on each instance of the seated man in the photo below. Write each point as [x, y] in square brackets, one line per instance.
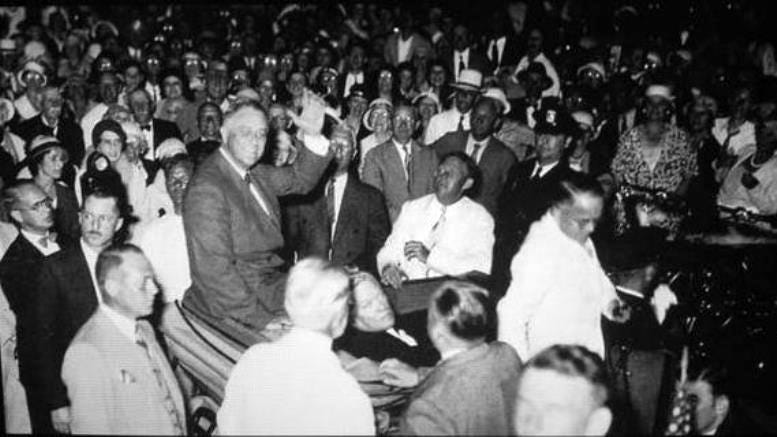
[443, 233]
[232, 221]
[296, 385]
[752, 182]
[471, 391]
[563, 391]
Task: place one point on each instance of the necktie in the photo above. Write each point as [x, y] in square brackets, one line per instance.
[461, 123]
[474, 154]
[437, 228]
[407, 165]
[462, 66]
[536, 176]
[144, 336]
[330, 206]
[495, 54]
[255, 191]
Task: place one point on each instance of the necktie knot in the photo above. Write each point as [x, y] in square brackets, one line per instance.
[475, 149]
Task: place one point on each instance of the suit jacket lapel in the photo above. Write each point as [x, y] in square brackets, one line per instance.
[347, 206]
[395, 160]
[248, 200]
[85, 291]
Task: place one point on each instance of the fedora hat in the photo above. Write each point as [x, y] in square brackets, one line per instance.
[469, 80]
[539, 69]
[554, 119]
[498, 95]
[31, 66]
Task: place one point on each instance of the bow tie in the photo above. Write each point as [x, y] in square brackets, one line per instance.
[51, 237]
[145, 127]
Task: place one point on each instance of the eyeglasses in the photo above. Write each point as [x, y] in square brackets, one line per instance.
[45, 203]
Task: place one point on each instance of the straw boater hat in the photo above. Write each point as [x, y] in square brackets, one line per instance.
[469, 80]
[373, 105]
[31, 66]
[498, 95]
[659, 91]
[428, 95]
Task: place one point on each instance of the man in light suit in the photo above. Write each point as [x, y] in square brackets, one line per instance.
[232, 220]
[117, 376]
[403, 45]
[400, 168]
[343, 219]
[493, 158]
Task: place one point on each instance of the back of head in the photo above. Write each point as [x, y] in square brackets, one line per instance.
[573, 185]
[317, 295]
[463, 309]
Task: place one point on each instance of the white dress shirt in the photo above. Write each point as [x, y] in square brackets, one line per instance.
[738, 143]
[51, 246]
[295, 385]
[544, 169]
[500, 48]
[339, 182]
[91, 262]
[148, 135]
[352, 79]
[457, 57]
[558, 293]
[164, 243]
[555, 89]
[403, 48]
[401, 150]
[444, 122]
[464, 241]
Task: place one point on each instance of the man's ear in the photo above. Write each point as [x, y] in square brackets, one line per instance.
[17, 216]
[599, 422]
[468, 184]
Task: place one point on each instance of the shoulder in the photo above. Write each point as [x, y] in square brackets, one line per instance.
[475, 210]
[164, 124]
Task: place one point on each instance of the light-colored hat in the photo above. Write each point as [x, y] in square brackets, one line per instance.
[428, 95]
[34, 67]
[248, 94]
[7, 109]
[94, 50]
[33, 49]
[661, 91]
[7, 44]
[42, 144]
[170, 147]
[498, 95]
[469, 80]
[593, 66]
[585, 118]
[371, 107]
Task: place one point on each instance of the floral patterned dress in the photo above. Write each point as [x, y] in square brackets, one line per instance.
[676, 163]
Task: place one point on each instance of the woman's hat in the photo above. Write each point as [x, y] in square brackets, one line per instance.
[428, 95]
[31, 66]
[42, 144]
[498, 95]
[371, 107]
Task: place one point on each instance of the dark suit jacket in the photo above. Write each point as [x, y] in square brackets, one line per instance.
[65, 298]
[383, 169]
[66, 214]
[361, 229]
[69, 134]
[477, 61]
[471, 393]
[200, 149]
[495, 164]
[163, 130]
[233, 245]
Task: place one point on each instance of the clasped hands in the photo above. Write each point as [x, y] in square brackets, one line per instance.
[392, 275]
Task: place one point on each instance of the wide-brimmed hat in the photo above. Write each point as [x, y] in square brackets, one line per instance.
[371, 107]
[554, 119]
[584, 118]
[469, 80]
[498, 95]
[42, 144]
[428, 95]
[659, 91]
[33, 66]
[536, 68]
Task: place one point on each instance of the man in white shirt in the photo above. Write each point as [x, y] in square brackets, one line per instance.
[443, 233]
[163, 240]
[117, 376]
[355, 74]
[296, 385]
[464, 55]
[559, 290]
[467, 89]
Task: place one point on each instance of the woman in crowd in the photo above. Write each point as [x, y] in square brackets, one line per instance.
[377, 119]
[427, 105]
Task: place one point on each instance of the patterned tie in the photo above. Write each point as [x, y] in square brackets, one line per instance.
[475, 150]
[263, 203]
[437, 228]
[408, 167]
[330, 207]
[144, 336]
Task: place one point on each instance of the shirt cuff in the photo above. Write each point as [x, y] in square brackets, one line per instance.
[317, 144]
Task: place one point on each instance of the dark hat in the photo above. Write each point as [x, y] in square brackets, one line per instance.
[554, 119]
[107, 125]
[358, 90]
[539, 69]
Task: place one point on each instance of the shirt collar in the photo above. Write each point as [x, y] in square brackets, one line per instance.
[125, 325]
[33, 237]
[451, 353]
[90, 254]
[544, 169]
[464, 52]
[401, 146]
[232, 162]
[483, 143]
[340, 178]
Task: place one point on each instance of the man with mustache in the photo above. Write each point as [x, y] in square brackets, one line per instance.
[67, 295]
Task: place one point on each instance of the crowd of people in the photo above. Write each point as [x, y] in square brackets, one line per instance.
[257, 165]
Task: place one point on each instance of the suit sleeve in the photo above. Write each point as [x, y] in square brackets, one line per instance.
[528, 288]
[371, 174]
[206, 219]
[45, 326]
[303, 175]
[378, 223]
[88, 386]
[424, 418]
